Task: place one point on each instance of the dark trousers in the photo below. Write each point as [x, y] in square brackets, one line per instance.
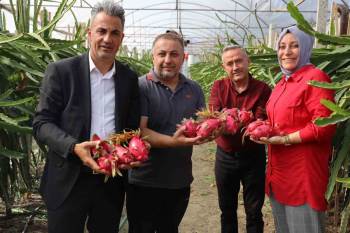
[91, 201]
[249, 168]
[155, 209]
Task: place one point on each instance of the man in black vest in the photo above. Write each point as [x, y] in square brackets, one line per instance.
[81, 96]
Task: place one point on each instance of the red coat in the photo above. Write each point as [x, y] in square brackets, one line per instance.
[298, 174]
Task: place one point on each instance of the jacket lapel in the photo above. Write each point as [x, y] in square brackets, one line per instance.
[117, 85]
[84, 74]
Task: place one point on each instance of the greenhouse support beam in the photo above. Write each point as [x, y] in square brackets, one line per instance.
[321, 23]
[172, 9]
[272, 37]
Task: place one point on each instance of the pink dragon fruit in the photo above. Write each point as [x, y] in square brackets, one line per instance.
[138, 149]
[233, 112]
[245, 117]
[207, 127]
[103, 148]
[123, 155]
[190, 127]
[231, 125]
[260, 128]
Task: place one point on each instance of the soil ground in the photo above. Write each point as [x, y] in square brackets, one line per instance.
[202, 215]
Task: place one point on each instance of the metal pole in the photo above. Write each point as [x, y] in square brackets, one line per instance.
[321, 21]
[271, 38]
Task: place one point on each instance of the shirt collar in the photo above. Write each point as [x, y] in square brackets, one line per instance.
[93, 67]
[250, 78]
[296, 77]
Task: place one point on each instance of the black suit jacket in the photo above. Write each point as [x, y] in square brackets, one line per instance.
[63, 118]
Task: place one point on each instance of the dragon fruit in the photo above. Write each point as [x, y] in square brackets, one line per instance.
[233, 112]
[103, 148]
[123, 155]
[207, 127]
[259, 129]
[231, 124]
[190, 127]
[105, 163]
[253, 125]
[138, 149]
[245, 117]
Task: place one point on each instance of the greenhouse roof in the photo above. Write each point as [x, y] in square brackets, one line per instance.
[201, 22]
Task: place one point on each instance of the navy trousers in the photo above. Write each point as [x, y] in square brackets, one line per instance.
[153, 210]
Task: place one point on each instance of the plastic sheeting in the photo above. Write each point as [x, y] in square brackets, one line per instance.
[202, 22]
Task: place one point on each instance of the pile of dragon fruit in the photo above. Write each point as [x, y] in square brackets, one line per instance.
[231, 121]
[119, 149]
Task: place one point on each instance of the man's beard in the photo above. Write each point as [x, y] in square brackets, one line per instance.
[166, 75]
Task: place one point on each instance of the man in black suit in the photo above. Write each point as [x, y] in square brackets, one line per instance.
[80, 96]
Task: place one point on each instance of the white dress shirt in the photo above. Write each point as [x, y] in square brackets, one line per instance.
[102, 101]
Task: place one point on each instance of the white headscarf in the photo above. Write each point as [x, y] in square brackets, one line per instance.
[305, 42]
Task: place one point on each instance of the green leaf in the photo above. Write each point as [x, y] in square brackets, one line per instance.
[306, 27]
[337, 163]
[335, 108]
[7, 119]
[7, 39]
[327, 39]
[40, 39]
[6, 94]
[15, 102]
[340, 50]
[60, 45]
[336, 65]
[332, 119]
[37, 7]
[21, 119]
[19, 66]
[345, 219]
[295, 13]
[332, 86]
[345, 181]
[322, 65]
[11, 153]
[57, 16]
[25, 110]
[15, 128]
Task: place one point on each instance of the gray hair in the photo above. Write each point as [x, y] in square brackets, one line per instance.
[109, 7]
[170, 35]
[232, 47]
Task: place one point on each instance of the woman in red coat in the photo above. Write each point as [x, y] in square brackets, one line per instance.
[297, 170]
